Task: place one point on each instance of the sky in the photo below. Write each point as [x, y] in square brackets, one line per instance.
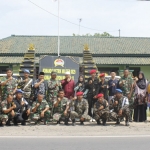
[21, 17]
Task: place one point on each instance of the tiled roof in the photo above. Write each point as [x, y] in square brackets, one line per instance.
[98, 60]
[74, 45]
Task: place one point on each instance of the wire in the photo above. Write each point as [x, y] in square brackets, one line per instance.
[67, 20]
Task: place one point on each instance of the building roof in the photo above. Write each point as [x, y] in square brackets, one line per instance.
[16, 45]
[98, 60]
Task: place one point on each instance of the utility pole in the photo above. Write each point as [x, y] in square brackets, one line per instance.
[119, 32]
[79, 25]
[58, 32]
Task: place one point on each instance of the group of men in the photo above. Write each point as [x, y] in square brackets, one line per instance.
[53, 100]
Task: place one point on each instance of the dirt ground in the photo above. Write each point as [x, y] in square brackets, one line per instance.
[89, 129]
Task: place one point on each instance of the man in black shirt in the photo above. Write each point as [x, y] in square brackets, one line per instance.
[92, 86]
[22, 110]
[112, 85]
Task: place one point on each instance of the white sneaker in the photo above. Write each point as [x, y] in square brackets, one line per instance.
[93, 120]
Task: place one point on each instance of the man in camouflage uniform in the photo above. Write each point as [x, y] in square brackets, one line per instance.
[79, 109]
[40, 86]
[25, 85]
[119, 108]
[9, 84]
[53, 86]
[40, 110]
[101, 109]
[7, 110]
[126, 85]
[61, 106]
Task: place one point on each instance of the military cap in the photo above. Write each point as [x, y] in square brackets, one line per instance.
[102, 75]
[92, 71]
[53, 73]
[118, 91]
[26, 71]
[79, 93]
[19, 91]
[100, 95]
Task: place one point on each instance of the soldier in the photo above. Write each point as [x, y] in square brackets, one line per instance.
[9, 84]
[101, 109]
[53, 88]
[126, 84]
[22, 110]
[7, 110]
[40, 86]
[80, 109]
[119, 107]
[61, 106]
[26, 85]
[40, 110]
[93, 89]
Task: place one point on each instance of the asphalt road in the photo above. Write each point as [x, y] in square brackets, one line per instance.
[75, 143]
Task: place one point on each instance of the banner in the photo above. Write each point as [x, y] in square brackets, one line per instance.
[62, 64]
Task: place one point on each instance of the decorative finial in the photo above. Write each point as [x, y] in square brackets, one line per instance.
[86, 47]
[31, 47]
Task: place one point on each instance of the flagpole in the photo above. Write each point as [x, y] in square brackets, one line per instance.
[58, 32]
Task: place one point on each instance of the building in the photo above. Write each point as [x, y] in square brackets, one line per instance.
[109, 53]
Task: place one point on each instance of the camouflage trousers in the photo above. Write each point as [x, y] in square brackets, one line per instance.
[125, 113]
[59, 116]
[37, 116]
[103, 114]
[5, 117]
[131, 107]
[74, 115]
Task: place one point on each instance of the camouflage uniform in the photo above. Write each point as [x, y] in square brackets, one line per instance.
[9, 87]
[52, 91]
[42, 89]
[4, 106]
[79, 109]
[101, 114]
[36, 116]
[26, 87]
[123, 104]
[59, 110]
[126, 88]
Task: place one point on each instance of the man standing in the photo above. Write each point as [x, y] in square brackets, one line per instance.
[119, 108]
[93, 89]
[112, 85]
[53, 88]
[26, 85]
[7, 110]
[9, 84]
[68, 85]
[101, 109]
[22, 110]
[61, 106]
[40, 110]
[40, 86]
[80, 109]
[126, 84]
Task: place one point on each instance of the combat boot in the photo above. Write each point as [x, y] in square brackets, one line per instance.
[8, 123]
[104, 122]
[127, 123]
[81, 123]
[1, 124]
[73, 122]
[98, 122]
[66, 121]
[23, 123]
[118, 121]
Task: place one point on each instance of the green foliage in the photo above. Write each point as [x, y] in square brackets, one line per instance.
[104, 34]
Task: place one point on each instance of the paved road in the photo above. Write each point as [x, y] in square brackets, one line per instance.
[75, 143]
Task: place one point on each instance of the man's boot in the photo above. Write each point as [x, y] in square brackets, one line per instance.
[23, 123]
[66, 121]
[127, 123]
[104, 122]
[73, 122]
[98, 122]
[8, 122]
[118, 121]
[81, 123]
[1, 125]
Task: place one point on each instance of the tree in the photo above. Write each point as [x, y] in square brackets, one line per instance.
[104, 34]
